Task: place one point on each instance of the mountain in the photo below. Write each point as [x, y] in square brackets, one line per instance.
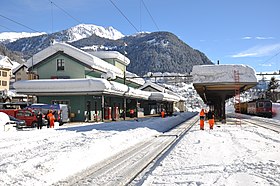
[7, 37]
[14, 56]
[85, 30]
[155, 52]
[148, 52]
[31, 45]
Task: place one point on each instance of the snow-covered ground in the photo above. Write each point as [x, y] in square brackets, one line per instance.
[227, 155]
[43, 157]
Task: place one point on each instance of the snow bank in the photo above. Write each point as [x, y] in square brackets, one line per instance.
[222, 73]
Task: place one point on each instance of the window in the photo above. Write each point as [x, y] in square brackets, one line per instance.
[4, 83]
[4, 74]
[60, 64]
[0, 73]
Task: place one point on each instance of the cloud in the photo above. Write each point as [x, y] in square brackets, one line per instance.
[247, 37]
[257, 38]
[263, 38]
[259, 51]
[266, 65]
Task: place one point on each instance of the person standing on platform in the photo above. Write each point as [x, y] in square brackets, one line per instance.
[211, 119]
[51, 119]
[202, 118]
[39, 120]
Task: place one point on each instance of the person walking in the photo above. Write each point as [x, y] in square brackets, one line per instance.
[202, 118]
[51, 119]
[211, 119]
[39, 117]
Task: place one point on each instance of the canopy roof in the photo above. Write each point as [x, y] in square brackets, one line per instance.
[92, 86]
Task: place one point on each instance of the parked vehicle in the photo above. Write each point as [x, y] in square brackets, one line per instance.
[61, 111]
[28, 115]
[18, 123]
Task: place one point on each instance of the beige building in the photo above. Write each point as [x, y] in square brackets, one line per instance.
[21, 73]
[5, 72]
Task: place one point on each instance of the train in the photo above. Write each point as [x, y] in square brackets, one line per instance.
[259, 107]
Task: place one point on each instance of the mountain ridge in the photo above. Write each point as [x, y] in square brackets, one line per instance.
[148, 52]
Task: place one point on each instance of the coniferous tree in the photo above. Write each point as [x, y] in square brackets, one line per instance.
[273, 84]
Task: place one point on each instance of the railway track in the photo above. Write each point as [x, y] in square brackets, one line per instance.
[265, 124]
[122, 168]
[261, 122]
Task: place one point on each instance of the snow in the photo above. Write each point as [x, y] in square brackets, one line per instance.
[13, 36]
[43, 157]
[85, 30]
[221, 73]
[111, 55]
[227, 155]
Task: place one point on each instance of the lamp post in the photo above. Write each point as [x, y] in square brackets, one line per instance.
[124, 82]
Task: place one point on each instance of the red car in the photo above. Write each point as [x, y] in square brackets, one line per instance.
[28, 115]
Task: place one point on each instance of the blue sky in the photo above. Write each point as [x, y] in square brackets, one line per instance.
[231, 31]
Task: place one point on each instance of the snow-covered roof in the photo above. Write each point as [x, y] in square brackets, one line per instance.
[19, 67]
[137, 80]
[222, 73]
[160, 96]
[92, 86]
[5, 62]
[153, 85]
[111, 55]
[62, 85]
[88, 59]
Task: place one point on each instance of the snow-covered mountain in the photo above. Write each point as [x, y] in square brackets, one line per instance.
[6, 37]
[72, 34]
[85, 30]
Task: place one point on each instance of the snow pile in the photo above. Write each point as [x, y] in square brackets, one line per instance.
[43, 157]
[222, 73]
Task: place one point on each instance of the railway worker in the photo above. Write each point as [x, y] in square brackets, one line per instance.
[211, 119]
[202, 118]
[163, 113]
[51, 118]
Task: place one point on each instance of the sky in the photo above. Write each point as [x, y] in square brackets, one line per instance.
[227, 155]
[233, 32]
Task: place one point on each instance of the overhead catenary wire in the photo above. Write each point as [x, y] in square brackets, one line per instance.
[66, 12]
[19, 23]
[150, 14]
[272, 57]
[124, 15]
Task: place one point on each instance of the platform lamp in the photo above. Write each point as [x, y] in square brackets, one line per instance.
[124, 82]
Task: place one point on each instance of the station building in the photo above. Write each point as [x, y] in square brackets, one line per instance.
[95, 85]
